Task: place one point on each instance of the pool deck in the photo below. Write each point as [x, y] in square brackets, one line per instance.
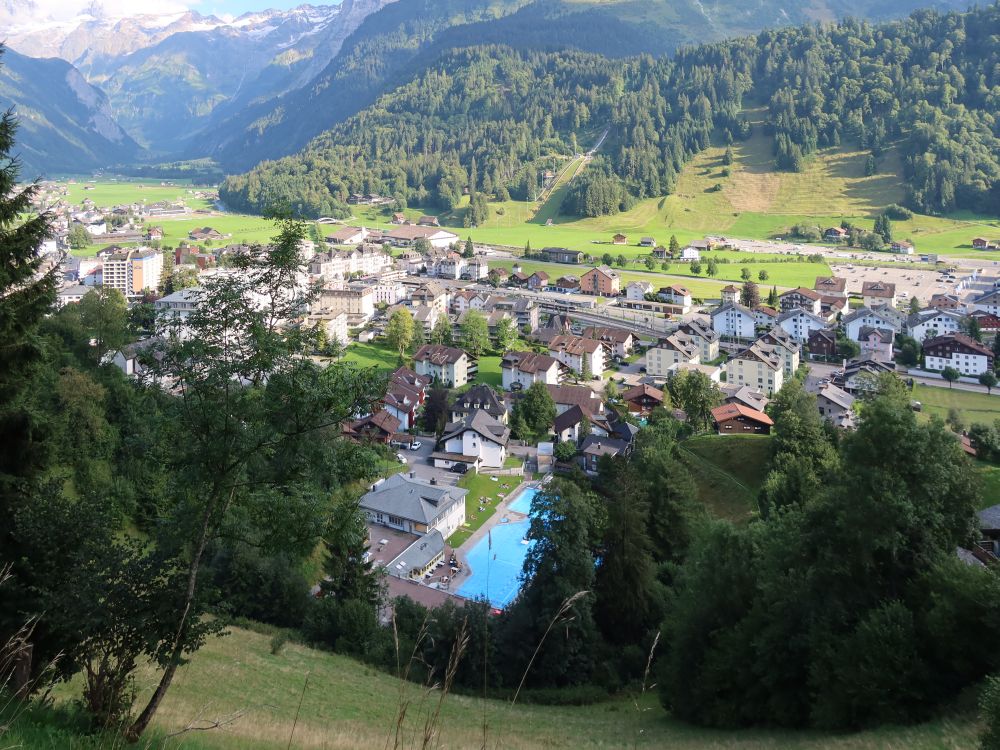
[502, 510]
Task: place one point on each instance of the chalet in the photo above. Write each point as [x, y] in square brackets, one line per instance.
[619, 239]
[832, 286]
[407, 391]
[945, 301]
[431, 294]
[647, 242]
[830, 306]
[562, 255]
[835, 234]
[380, 427]
[690, 253]
[428, 221]
[525, 368]
[736, 419]
[988, 323]
[879, 317]
[479, 397]
[445, 364]
[566, 285]
[154, 233]
[538, 281]
[661, 253]
[567, 396]
[959, 351]
[477, 440]
[642, 399]
[861, 376]
[619, 340]
[601, 281]
[800, 299]
[407, 235]
[980, 243]
[398, 218]
[822, 343]
[579, 354]
[903, 247]
[568, 425]
[878, 292]
[594, 447]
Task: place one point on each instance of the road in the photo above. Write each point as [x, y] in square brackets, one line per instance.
[822, 370]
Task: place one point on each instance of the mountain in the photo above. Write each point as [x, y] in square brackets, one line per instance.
[66, 125]
[493, 118]
[165, 76]
[390, 44]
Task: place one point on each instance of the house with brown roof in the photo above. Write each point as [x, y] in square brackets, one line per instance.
[428, 221]
[205, 233]
[566, 396]
[675, 294]
[538, 281]
[519, 370]
[878, 292]
[832, 286]
[642, 399]
[800, 299]
[479, 398]
[446, 364]
[730, 295]
[476, 440]
[737, 419]
[959, 351]
[620, 341]
[835, 234]
[379, 427]
[619, 239]
[398, 218]
[579, 354]
[347, 236]
[404, 396]
[601, 281]
[822, 343]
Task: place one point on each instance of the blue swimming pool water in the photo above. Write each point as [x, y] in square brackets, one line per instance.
[496, 560]
[522, 503]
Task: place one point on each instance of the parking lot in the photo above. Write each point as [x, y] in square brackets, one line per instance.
[909, 282]
[418, 461]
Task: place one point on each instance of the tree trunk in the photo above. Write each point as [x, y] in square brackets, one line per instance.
[22, 669]
[134, 732]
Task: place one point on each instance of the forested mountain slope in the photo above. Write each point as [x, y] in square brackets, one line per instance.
[409, 34]
[66, 125]
[493, 118]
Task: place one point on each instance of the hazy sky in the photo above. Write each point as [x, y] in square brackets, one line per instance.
[65, 9]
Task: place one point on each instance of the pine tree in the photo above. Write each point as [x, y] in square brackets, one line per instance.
[348, 575]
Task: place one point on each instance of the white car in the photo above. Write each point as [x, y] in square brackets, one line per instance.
[415, 445]
[401, 457]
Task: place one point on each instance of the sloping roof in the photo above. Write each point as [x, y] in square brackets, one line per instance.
[830, 284]
[837, 395]
[602, 446]
[480, 397]
[608, 333]
[480, 422]
[381, 419]
[989, 518]
[575, 345]
[638, 391]
[801, 311]
[695, 327]
[745, 395]
[572, 416]
[528, 362]
[878, 289]
[411, 498]
[438, 354]
[418, 555]
[731, 411]
[803, 292]
[722, 309]
[575, 394]
[960, 338]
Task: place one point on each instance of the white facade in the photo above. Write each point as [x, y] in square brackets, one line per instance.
[800, 324]
[637, 290]
[471, 443]
[869, 318]
[514, 374]
[972, 365]
[939, 323]
[733, 320]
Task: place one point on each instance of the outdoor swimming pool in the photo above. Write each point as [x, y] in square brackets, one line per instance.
[496, 571]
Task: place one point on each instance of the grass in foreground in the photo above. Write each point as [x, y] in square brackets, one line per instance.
[347, 705]
[376, 355]
[728, 471]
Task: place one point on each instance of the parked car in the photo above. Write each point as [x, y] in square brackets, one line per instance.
[415, 445]
[401, 457]
[459, 468]
[395, 443]
[516, 386]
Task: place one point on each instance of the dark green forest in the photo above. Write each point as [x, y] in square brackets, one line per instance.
[493, 118]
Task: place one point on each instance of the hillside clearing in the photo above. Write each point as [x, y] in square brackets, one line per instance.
[728, 471]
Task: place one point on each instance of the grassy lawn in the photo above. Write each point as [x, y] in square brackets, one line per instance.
[489, 371]
[106, 193]
[482, 488]
[728, 471]
[372, 355]
[975, 407]
[990, 475]
[305, 698]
